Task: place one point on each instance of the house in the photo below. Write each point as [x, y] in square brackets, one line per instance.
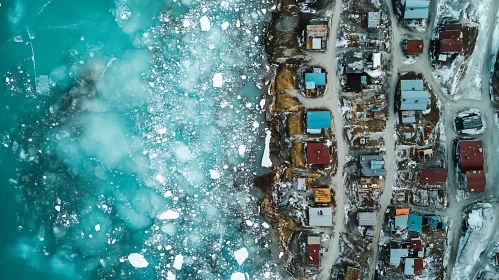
[400, 222]
[435, 222]
[317, 153]
[416, 9]
[322, 195]
[434, 175]
[402, 211]
[396, 255]
[366, 218]
[451, 46]
[475, 181]
[320, 216]
[354, 62]
[315, 36]
[315, 79]
[469, 120]
[416, 244]
[301, 184]
[352, 273]
[413, 97]
[372, 165]
[413, 266]
[373, 19]
[471, 155]
[408, 117]
[318, 120]
[415, 223]
[414, 47]
[376, 60]
[313, 250]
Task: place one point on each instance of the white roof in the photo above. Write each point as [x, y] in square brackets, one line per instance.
[316, 43]
[376, 60]
[301, 184]
[373, 19]
[309, 85]
[320, 216]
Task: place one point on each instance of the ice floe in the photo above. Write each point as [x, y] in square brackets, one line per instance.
[137, 260]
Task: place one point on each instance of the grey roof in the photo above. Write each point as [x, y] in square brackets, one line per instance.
[373, 19]
[320, 216]
[313, 239]
[409, 266]
[401, 222]
[354, 62]
[371, 165]
[367, 218]
[471, 121]
[416, 9]
[414, 100]
[409, 120]
[396, 255]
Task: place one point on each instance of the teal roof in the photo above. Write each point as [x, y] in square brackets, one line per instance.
[411, 85]
[318, 119]
[415, 223]
[416, 9]
[414, 100]
[319, 79]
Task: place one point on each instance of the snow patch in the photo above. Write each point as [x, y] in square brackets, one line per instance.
[266, 162]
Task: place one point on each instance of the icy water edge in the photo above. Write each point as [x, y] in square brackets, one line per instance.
[132, 127]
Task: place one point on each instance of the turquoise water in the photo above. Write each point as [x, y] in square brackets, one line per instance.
[132, 127]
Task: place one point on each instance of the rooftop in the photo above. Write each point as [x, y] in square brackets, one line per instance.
[315, 79]
[475, 181]
[396, 255]
[317, 153]
[373, 19]
[320, 216]
[317, 30]
[318, 120]
[352, 273]
[454, 26]
[313, 254]
[415, 223]
[416, 243]
[414, 46]
[372, 165]
[402, 211]
[451, 46]
[400, 222]
[413, 96]
[471, 155]
[449, 34]
[322, 195]
[413, 266]
[416, 9]
[367, 218]
[434, 175]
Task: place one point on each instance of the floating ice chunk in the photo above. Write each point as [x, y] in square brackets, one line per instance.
[161, 131]
[225, 25]
[137, 260]
[266, 162]
[217, 80]
[7, 80]
[214, 174]
[265, 225]
[186, 23]
[169, 215]
[58, 208]
[160, 178]
[205, 23]
[97, 227]
[182, 152]
[168, 194]
[249, 223]
[168, 229]
[281, 254]
[241, 255]
[237, 276]
[242, 150]
[177, 263]
[170, 276]
[168, 247]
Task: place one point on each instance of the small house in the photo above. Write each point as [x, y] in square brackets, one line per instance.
[315, 79]
[316, 36]
[396, 256]
[373, 19]
[301, 184]
[416, 9]
[372, 166]
[414, 46]
[320, 216]
[317, 153]
[318, 120]
[475, 181]
[434, 175]
[471, 155]
[400, 222]
[313, 250]
[471, 120]
[415, 223]
[352, 273]
[413, 97]
[402, 211]
[322, 195]
[435, 222]
[451, 46]
[416, 244]
[413, 266]
[366, 218]
[376, 60]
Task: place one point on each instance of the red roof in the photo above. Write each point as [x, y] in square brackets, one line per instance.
[449, 34]
[318, 154]
[414, 46]
[475, 181]
[418, 266]
[416, 244]
[471, 155]
[434, 175]
[451, 46]
[454, 26]
[313, 254]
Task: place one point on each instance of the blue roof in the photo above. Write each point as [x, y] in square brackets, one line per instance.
[377, 164]
[414, 100]
[367, 162]
[433, 221]
[396, 255]
[319, 79]
[408, 85]
[401, 222]
[415, 223]
[318, 119]
[416, 9]
[409, 120]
